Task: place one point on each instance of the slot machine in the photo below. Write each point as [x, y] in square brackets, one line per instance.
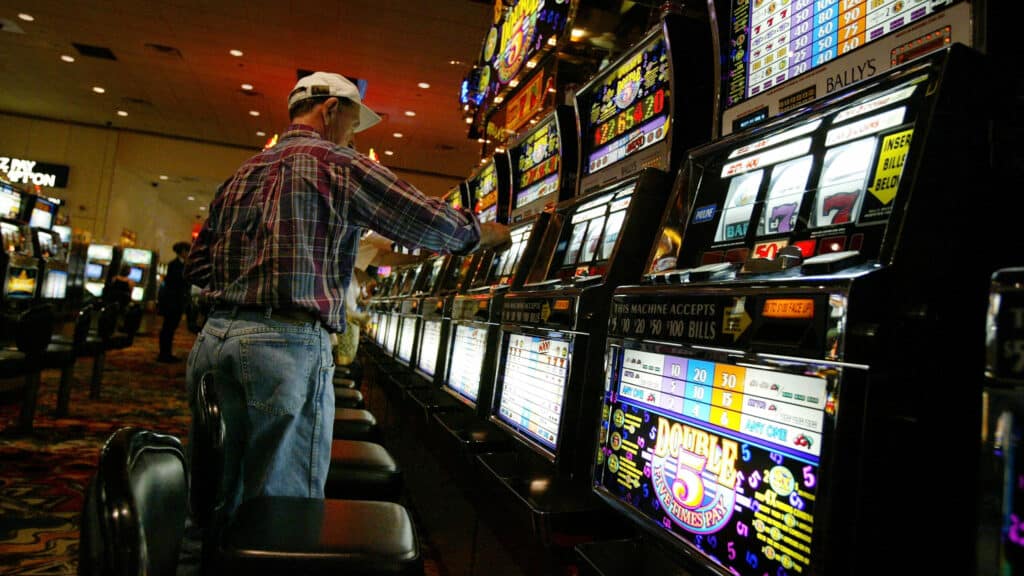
[141, 264]
[12, 201]
[636, 118]
[542, 172]
[19, 265]
[789, 390]
[489, 194]
[99, 267]
[1000, 548]
[40, 212]
[53, 257]
[378, 317]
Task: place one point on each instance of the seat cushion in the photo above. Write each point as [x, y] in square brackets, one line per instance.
[119, 341]
[343, 382]
[355, 424]
[12, 363]
[57, 355]
[363, 471]
[348, 398]
[280, 535]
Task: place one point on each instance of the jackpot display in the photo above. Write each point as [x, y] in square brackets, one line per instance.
[627, 110]
[534, 378]
[483, 188]
[536, 163]
[723, 456]
[469, 345]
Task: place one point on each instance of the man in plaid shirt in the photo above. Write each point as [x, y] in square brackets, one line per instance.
[275, 257]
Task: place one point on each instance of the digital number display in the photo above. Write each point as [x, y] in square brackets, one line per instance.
[484, 189]
[721, 456]
[535, 167]
[773, 42]
[533, 387]
[430, 341]
[468, 349]
[629, 108]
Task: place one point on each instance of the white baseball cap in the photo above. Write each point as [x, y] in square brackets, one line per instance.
[325, 84]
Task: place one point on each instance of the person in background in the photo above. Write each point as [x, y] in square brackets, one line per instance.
[274, 257]
[172, 302]
[119, 291]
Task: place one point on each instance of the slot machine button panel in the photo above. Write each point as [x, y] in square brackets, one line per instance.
[831, 262]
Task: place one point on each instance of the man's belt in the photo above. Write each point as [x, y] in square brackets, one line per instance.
[289, 315]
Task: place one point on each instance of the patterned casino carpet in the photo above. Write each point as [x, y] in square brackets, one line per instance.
[43, 475]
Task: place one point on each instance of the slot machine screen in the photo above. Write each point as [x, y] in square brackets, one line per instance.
[627, 109]
[467, 359]
[484, 190]
[103, 253]
[826, 182]
[135, 274]
[64, 232]
[47, 245]
[21, 282]
[14, 238]
[408, 281]
[430, 341]
[589, 238]
[55, 285]
[42, 214]
[774, 42]
[408, 337]
[532, 388]
[434, 276]
[93, 271]
[94, 288]
[10, 202]
[535, 170]
[392, 334]
[507, 262]
[137, 256]
[720, 456]
[138, 293]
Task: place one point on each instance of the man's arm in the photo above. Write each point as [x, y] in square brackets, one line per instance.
[383, 202]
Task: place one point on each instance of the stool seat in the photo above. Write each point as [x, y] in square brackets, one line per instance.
[362, 471]
[12, 363]
[280, 535]
[345, 383]
[58, 354]
[355, 424]
[348, 398]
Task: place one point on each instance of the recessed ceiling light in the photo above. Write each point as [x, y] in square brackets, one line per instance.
[261, 133]
[99, 89]
[67, 58]
[163, 177]
[254, 112]
[455, 62]
[423, 85]
[480, 140]
[122, 113]
[410, 113]
[246, 86]
[469, 119]
[191, 198]
[236, 53]
[398, 135]
[202, 208]
[389, 153]
[26, 17]
[577, 33]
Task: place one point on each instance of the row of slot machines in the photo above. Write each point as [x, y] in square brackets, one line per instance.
[40, 261]
[756, 340]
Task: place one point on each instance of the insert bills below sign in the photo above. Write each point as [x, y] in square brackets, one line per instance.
[30, 172]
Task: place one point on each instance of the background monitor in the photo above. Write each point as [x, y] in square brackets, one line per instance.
[93, 271]
[94, 288]
[64, 232]
[430, 341]
[407, 339]
[100, 252]
[469, 344]
[42, 215]
[10, 201]
[532, 388]
[138, 293]
[21, 282]
[137, 256]
[135, 274]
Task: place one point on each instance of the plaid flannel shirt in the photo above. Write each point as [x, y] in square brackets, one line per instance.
[284, 230]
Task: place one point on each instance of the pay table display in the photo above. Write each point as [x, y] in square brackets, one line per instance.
[408, 337]
[468, 348]
[430, 341]
[723, 456]
[533, 390]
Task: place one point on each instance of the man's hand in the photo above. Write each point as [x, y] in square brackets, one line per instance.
[494, 236]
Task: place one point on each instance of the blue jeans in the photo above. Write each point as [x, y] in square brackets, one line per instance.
[277, 401]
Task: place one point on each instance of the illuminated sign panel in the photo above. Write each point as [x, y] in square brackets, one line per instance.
[483, 188]
[536, 164]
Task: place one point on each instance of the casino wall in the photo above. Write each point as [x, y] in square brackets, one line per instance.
[112, 174]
